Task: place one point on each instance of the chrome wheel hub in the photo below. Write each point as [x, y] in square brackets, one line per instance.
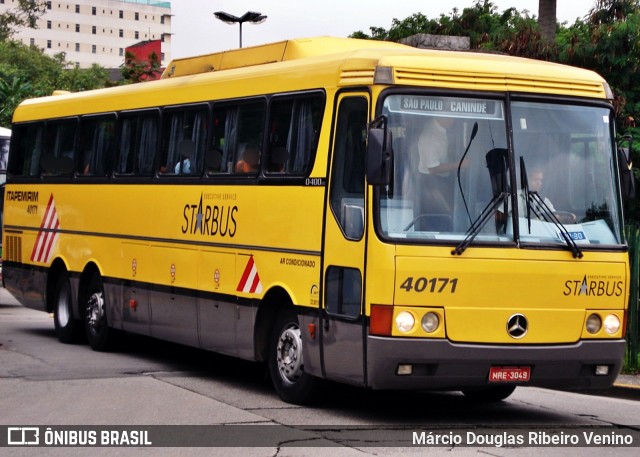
[95, 311]
[289, 354]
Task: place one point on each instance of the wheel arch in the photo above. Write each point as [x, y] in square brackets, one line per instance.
[274, 302]
[89, 270]
[58, 267]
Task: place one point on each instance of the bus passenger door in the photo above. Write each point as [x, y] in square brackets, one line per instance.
[342, 321]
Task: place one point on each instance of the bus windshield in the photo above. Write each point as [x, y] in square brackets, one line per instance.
[459, 178]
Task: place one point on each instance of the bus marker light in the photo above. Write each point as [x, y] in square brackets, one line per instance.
[312, 331]
[133, 304]
[404, 369]
[602, 370]
[380, 321]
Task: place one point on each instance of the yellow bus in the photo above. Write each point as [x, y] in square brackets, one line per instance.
[5, 140]
[357, 211]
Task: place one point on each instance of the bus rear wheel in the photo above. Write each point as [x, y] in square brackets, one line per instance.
[286, 364]
[68, 328]
[489, 394]
[100, 336]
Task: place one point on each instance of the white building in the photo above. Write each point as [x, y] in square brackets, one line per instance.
[98, 31]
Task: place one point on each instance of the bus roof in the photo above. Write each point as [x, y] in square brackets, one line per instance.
[269, 53]
[323, 63]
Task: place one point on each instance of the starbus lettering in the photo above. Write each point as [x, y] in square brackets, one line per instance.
[209, 220]
[593, 287]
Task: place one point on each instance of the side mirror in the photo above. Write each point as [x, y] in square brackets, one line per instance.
[379, 153]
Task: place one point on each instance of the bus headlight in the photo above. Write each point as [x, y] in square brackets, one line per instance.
[611, 324]
[594, 324]
[430, 322]
[405, 321]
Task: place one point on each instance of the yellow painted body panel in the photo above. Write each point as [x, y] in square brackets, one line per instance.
[482, 289]
[155, 237]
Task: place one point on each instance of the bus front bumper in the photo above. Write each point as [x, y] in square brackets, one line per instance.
[394, 363]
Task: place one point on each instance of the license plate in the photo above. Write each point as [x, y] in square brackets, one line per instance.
[509, 374]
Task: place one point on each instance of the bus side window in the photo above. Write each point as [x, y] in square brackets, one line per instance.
[26, 149]
[236, 138]
[59, 148]
[219, 157]
[347, 175]
[248, 142]
[184, 140]
[294, 127]
[138, 143]
[96, 145]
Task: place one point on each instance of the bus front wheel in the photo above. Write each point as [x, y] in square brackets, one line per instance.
[286, 364]
[100, 336]
[68, 328]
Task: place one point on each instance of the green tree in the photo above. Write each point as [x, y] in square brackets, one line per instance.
[511, 31]
[12, 92]
[135, 71]
[608, 42]
[25, 14]
[79, 79]
[609, 11]
[26, 71]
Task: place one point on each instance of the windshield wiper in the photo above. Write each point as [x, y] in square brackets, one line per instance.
[480, 222]
[541, 209]
[497, 163]
[524, 188]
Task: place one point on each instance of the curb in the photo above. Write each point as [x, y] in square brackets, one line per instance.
[626, 386]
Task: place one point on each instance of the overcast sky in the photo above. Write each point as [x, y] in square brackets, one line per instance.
[196, 31]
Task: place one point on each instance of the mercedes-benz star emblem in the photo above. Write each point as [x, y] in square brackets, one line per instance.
[517, 326]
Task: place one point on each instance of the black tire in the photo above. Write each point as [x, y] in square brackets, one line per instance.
[286, 366]
[68, 328]
[99, 335]
[489, 394]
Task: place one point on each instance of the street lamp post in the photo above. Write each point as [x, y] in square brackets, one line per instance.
[250, 16]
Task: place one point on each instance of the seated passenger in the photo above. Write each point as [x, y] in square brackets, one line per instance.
[535, 180]
[250, 160]
[186, 150]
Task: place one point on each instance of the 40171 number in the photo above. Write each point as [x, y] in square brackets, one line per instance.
[431, 285]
